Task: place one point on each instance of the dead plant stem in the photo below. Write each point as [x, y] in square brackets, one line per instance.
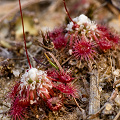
[82, 110]
[94, 102]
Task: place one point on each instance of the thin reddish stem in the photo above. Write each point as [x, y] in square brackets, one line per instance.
[24, 35]
[67, 12]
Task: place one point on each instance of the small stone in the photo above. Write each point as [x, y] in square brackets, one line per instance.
[70, 51]
[116, 72]
[16, 73]
[36, 20]
[108, 106]
[108, 109]
[84, 99]
[100, 89]
[117, 99]
[37, 116]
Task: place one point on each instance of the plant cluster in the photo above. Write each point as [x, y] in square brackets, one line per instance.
[84, 38]
[36, 85]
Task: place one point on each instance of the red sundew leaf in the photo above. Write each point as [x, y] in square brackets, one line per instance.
[58, 38]
[52, 74]
[72, 38]
[67, 89]
[14, 90]
[83, 49]
[102, 28]
[55, 33]
[62, 77]
[104, 44]
[104, 32]
[23, 97]
[113, 38]
[54, 103]
[31, 95]
[43, 93]
[24, 102]
[60, 42]
[17, 111]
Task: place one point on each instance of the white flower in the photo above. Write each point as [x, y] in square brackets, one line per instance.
[33, 78]
[81, 21]
[32, 73]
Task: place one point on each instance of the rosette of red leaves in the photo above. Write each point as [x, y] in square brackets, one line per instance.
[105, 38]
[62, 82]
[51, 87]
[58, 38]
[83, 48]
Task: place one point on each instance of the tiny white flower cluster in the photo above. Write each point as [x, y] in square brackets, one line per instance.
[81, 21]
[34, 77]
[32, 73]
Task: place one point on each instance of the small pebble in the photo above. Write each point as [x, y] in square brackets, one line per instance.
[117, 99]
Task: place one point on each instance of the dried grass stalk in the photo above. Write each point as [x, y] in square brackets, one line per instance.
[94, 102]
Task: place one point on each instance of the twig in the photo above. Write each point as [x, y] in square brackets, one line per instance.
[39, 61]
[4, 105]
[113, 9]
[31, 56]
[94, 103]
[101, 6]
[4, 62]
[4, 53]
[16, 9]
[96, 114]
[117, 116]
[66, 60]
[56, 61]
[4, 112]
[82, 110]
[45, 47]
[115, 83]
[113, 95]
[86, 86]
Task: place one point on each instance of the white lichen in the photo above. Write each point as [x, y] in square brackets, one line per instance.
[84, 22]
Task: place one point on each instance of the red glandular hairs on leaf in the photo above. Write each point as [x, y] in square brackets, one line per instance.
[59, 76]
[17, 111]
[104, 44]
[58, 38]
[60, 42]
[83, 49]
[25, 98]
[64, 86]
[55, 33]
[106, 39]
[102, 28]
[24, 102]
[14, 91]
[54, 103]
[114, 38]
[68, 89]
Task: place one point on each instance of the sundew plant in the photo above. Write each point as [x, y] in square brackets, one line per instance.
[81, 39]
[35, 85]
